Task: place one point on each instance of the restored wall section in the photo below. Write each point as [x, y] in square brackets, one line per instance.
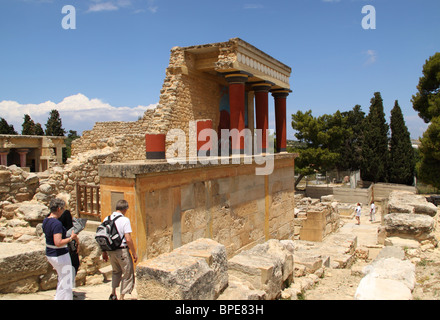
[226, 203]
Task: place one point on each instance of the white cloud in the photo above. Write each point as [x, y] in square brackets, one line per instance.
[77, 112]
[112, 5]
[104, 6]
[371, 57]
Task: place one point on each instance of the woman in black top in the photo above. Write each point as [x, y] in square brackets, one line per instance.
[66, 220]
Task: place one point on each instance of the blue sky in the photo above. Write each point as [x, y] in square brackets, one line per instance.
[112, 66]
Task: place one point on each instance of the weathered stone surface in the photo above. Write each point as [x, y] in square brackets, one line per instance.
[394, 269]
[20, 267]
[266, 267]
[215, 256]
[408, 202]
[174, 276]
[372, 288]
[410, 225]
[33, 212]
[388, 277]
[241, 290]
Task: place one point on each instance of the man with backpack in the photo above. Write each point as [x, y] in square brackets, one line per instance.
[120, 258]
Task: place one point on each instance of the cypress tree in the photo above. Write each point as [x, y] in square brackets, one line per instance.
[28, 126]
[375, 145]
[54, 126]
[402, 163]
[351, 153]
[5, 128]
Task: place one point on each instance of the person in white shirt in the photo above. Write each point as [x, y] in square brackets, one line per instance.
[372, 211]
[120, 259]
[358, 213]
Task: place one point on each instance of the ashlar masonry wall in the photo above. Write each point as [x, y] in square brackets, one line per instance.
[172, 205]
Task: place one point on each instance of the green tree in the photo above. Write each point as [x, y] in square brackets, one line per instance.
[67, 152]
[427, 100]
[39, 130]
[320, 141]
[351, 152]
[30, 128]
[54, 126]
[375, 146]
[27, 126]
[5, 128]
[402, 163]
[429, 167]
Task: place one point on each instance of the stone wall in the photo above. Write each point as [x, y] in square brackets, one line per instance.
[16, 185]
[179, 204]
[316, 219]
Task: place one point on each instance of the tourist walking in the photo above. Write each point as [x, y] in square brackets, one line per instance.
[358, 213]
[372, 211]
[56, 249]
[73, 247]
[120, 259]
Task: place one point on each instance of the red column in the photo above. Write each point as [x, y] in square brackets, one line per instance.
[280, 118]
[22, 153]
[203, 145]
[155, 146]
[4, 157]
[262, 114]
[237, 106]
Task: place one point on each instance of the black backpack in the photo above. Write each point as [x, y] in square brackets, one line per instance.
[107, 235]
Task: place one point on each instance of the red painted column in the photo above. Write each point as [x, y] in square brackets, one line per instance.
[280, 118]
[22, 153]
[155, 146]
[262, 114]
[203, 145]
[4, 157]
[237, 106]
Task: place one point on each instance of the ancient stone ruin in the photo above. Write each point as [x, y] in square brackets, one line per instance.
[205, 225]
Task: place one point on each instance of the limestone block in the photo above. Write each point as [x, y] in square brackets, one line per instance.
[266, 267]
[310, 262]
[241, 290]
[394, 269]
[215, 256]
[408, 202]
[278, 251]
[33, 212]
[372, 288]
[19, 262]
[175, 276]
[416, 226]
[263, 273]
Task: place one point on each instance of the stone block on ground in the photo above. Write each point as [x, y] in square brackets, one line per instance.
[371, 288]
[266, 267]
[408, 202]
[174, 276]
[215, 256]
[409, 225]
[241, 290]
[21, 265]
